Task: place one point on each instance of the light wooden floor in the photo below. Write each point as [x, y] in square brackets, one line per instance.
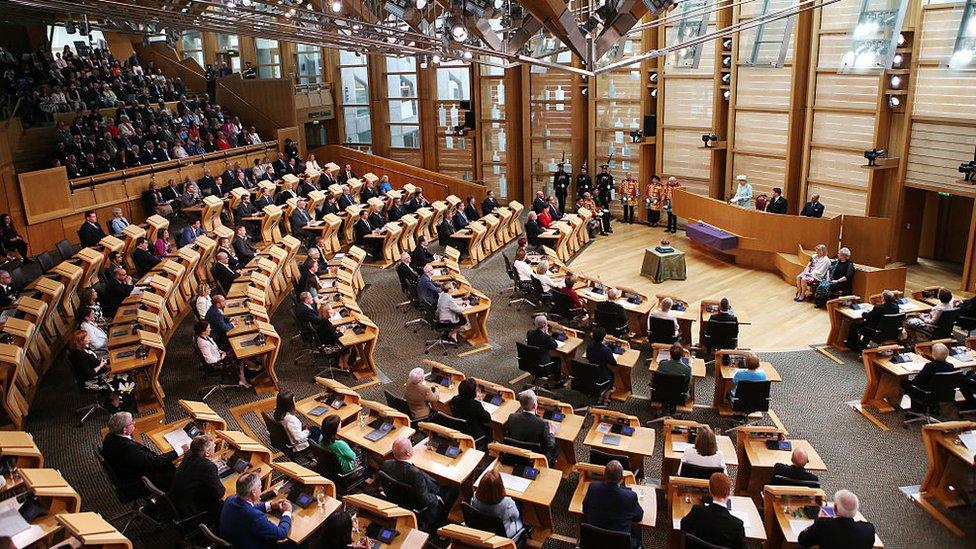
[778, 323]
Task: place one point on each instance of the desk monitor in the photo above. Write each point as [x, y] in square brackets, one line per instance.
[554, 415]
[381, 427]
[382, 534]
[439, 379]
[494, 399]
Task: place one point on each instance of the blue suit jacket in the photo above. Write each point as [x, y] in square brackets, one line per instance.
[247, 526]
[613, 508]
[219, 326]
[427, 291]
[188, 235]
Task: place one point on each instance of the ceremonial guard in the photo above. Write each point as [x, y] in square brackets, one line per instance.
[560, 185]
[604, 186]
[629, 191]
[652, 202]
[583, 183]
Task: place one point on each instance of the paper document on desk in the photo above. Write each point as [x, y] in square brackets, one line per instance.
[799, 525]
[913, 366]
[28, 536]
[680, 446]
[662, 355]
[514, 483]
[603, 428]
[11, 522]
[743, 516]
[489, 407]
[177, 439]
[968, 439]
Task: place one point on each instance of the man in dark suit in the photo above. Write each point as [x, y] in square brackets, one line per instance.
[266, 199]
[368, 191]
[489, 204]
[427, 493]
[796, 469]
[526, 426]
[858, 338]
[130, 460]
[533, 229]
[7, 291]
[460, 219]
[376, 219]
[299, 218]
[417, 201]
[205, 182]
[243, 248]
[361, 229]
[841, 531]
[444, 231]
[813, 208]
[776, 204]
[466, 406]
[539, 203]
[346, 199]
[725, 313]
[234, 262]
[219, 188]
[306, 313]
[196, 486]
[396, 210]
[421, 256]
[244, 209]
[190, 233]
[405, 272]
[939, 364]
[220, 324]
[427, 289]
[712, 522]
[244, 517]
[280, 166]
[90, 232]
[611, 314]
[222, 272]
[346, 174]
[612, 506]
[142, 257]
[541, 339]
[116, 290]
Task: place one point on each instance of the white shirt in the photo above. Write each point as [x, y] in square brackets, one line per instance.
[313, 165]
[209, 350]
[818, 270]
[203, 304]
[523, 270]
[547, 283]
[692, 456]
[97, 338]
[297, 435]
[669, 315]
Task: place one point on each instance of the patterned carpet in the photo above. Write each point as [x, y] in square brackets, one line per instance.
[810, 402]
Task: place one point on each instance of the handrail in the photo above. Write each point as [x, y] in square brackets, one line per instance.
[123, 174]
[13, 113]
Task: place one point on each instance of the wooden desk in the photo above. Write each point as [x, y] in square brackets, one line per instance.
[144, 371]
[364, 345]
[462, 536]
[355, 432]
[199, 413]
[950, 468]
[55, 494]
[784, 516]
[445, 393]
[93, 531]
[566, 351]
[685, 493]
[636, 446]
[21, 445]
[623, 386]
[266, 354]
[589, 473]
[458, 470]
[368, 509]
[697, 372]
[536, 499]
[126, 333]
[637, 313]
[499, 412]
[304, 522]
[332, 391]
[756, 461]
[723, 382]
[843, 314]
[676, 435]
[258, 456]
[566, 432]
[882, 390]
[477, 316]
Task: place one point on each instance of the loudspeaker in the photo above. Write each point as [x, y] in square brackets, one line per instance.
[468, 108]
[650, 125]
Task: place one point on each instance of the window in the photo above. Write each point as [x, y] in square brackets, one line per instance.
[691, 26]
[230, 44]
[354, 79]
[191, 42]
[874, 37]
[453, 83]
[401, 92]
[965, 48]
[269, 58]
[769, 42]
[61, 38]
[494, 138]
[309, 63]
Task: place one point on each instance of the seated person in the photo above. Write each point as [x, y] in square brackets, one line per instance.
[600, 355]
[613, 314]
[336, 533]
[97, 338]
[926, 322]
[674, 365]
[858, 338]
[712, 522]
[938, 364]
[812, 274]
[796, 469]
[212, 354]
[298, 433]
[419, 394]
[438, 500]
[725, 312]
[542, 275]
[576, 305]
[196, 486]
[533, 229]
[421, 256]
[118, 288]
[841, 274]
[7, 291]
[345, 455]
[705, 452]
[130, 460]
[428, 290]
[750, 373]
[526, 426]
[223, 272]
[244, 517]
[541, 338]
[361, 230]
[840, 531]
[449, 311]
[143, 259]
[465, 405]
[405, 272]
[522, 268]
[490, 499]
[610, 505]
[220, 323]
[664, 312]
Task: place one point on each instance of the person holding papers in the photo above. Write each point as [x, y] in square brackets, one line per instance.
[196, 486]
[705, 452]
[436, 500]
[713, 521]
[526, 426]
[612, 506]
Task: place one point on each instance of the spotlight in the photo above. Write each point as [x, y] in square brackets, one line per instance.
[466, 54]
[709, 138]
[727, 78]
[636, 135]
[231, 5]
[873, 155]
[893, 102]
[499, 4]
[901, 39]
[336, 6]
[246, 3]
[961, 58]
[726, 95]
[654, 93]
[897, 60]
[421, 4]
[726, 61]
[436, 59]
[727, 44]
[895, 81]
[968, 169]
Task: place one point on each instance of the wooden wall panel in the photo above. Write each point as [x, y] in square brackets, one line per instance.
[936, 151]
[761, 132]
[832, 49]
[843, 129]
[689, 102]
[840, 17]
[838, 167]
[944, 94]
[763, 87]
[684, 157]
[764, 172]
[839, 200]
[847, 91]
[45, 194]
[408, 156]
[938, 35]
[868, 238]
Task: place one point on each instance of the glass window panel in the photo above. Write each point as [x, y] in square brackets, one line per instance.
[192, 40]
[404, 111]
[453, 84]
[351, 58]
[495, 69]
[874, 36]
[401, 64]
[269, 71]
[964, 52]
[407, 137]
[309, 64]
[355, 85]
[61, 38]
[357, 124]
[267, 51]
[227, 42]
[401, 85]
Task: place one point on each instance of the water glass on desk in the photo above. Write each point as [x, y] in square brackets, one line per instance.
[320, 496]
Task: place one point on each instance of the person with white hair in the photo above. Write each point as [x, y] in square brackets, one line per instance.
[197, 487]
[665, 312]
[405, 272]
[436, 500]
[540, 337]
[841, 530]
[922, 381]
[533, 229]
[525, 426]
[130, 460]
[743, 193]
[612, 315]
[449, 311]
[244, 517]
[542, 275]
[838, 280]
[118, 223]
[858, 337]
[812, 274]
[419, 394]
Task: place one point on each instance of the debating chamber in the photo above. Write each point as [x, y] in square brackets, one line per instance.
[488, 274]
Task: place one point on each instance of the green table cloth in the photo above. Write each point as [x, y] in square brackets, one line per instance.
[663, 266]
